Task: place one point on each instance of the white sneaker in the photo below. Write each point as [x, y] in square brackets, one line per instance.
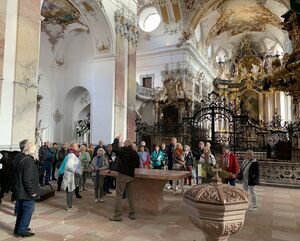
[96, 200]
[101, 200]
[72, 209]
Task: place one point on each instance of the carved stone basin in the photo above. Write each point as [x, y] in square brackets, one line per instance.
[216, 209]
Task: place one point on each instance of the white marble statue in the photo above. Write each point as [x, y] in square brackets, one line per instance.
[40, 134]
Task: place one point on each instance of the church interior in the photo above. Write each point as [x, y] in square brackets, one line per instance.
[222, 72]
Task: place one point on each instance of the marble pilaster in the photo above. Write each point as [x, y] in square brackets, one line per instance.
[131, 91]
[2, 38]
[120, 87]
[26, 71]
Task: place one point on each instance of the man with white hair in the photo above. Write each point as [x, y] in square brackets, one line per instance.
[27, 190]
[127, 160]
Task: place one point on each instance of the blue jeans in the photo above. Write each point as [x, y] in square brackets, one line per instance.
[47, 169]
[231, 182]
[24, 213]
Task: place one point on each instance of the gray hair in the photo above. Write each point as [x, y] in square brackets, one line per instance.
[128, 142]
[250, 153]
[101, 151]
[30, 149]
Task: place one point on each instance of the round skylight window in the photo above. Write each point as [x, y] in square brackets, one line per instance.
[149, 19]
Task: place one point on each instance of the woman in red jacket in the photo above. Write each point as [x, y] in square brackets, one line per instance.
[231, 165]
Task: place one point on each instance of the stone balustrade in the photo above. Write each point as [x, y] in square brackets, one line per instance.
[145, 93]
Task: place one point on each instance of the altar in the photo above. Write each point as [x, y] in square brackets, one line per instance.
[148, 188]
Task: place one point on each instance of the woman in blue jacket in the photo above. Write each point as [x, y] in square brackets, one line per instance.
[157, 158]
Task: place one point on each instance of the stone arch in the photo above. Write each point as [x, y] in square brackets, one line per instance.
[75, 101]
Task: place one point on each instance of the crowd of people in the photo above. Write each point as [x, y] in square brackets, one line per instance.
[72, 165]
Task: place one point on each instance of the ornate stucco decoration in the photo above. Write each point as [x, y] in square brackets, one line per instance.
[85, 98]
[127, 27]
[286, 74]
[26, 84]
[104, 46]
[57, 116]
[27, 81]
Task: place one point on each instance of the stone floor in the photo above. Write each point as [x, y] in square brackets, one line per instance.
[277, 218]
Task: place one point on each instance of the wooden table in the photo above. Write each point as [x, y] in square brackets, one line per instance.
[148, 187]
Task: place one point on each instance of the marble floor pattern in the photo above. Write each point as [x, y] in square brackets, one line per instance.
[277, 218]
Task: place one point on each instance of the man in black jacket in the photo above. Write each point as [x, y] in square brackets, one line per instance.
[18, 158]
[45, 158]
[27, 188]
[100, 145]
[171, 150]
[127, 160]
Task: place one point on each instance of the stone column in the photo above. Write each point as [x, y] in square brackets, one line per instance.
[261, 106]
[20, 71]
[266, 104]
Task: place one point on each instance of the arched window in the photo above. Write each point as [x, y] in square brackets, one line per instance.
[198, 33]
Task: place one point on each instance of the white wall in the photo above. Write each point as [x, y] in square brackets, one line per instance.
[80, 69]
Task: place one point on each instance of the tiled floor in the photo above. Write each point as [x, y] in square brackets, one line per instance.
[277, 218]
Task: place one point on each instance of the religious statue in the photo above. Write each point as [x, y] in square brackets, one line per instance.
[40, 134]
[255, 71]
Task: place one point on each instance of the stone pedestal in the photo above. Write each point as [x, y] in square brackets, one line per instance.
[216, 209]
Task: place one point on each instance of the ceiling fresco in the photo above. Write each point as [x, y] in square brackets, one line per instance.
[59, 12]
[240, 16]
[62, 17]
[224, 23]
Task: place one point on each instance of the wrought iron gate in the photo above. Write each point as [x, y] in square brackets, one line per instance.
[212, 120]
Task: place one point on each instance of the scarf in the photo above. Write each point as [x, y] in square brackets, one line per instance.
[100, 161]
[71, 150]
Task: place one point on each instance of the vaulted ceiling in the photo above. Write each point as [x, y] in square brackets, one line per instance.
[225, 23]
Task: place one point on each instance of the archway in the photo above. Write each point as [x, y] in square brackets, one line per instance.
[76, 123]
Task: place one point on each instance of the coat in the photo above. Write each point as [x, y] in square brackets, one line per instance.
[144, 163]
[126, 159]
[72, 166]
[231, 164]
[157, 158]
[211, 159]
[85, 161]
[188, 157]
[96, 169]
[253, 176]
[27, 179]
